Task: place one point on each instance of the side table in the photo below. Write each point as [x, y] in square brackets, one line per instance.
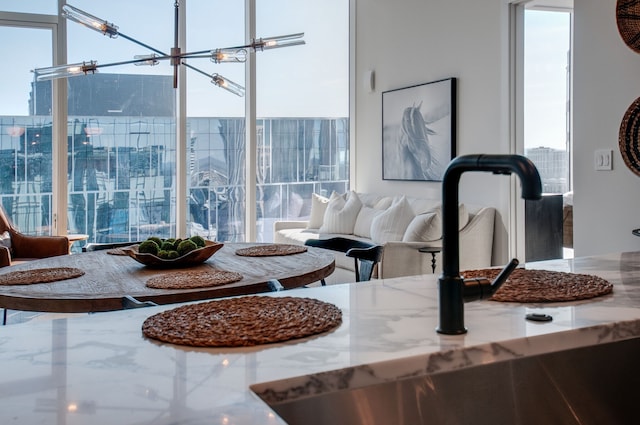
[433, 250]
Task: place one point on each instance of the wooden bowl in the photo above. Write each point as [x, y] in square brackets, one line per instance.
[192, 258]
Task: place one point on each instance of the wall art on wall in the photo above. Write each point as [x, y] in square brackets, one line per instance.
[418, 131]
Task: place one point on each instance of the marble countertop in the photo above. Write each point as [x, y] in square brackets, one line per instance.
[99, 368]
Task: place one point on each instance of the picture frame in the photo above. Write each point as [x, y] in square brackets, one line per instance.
[419, 131]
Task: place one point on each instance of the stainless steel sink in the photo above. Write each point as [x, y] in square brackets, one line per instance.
[591, 385]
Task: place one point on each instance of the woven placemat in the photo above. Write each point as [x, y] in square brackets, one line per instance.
[193, 279]
[271, 250]
[116, 251]
[28, 277]
[539, 286]
[244, 321]
[628, 21]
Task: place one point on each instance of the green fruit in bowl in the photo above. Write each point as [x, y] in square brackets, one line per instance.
[198, 240]
[155, 239]
[167, 246]
[186, 246]
[149, 247]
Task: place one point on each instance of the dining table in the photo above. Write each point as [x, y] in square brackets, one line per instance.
[111, 281]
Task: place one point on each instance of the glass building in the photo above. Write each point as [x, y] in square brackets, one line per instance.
[110, 154]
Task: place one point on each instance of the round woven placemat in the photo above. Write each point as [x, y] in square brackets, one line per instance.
[193, 279]
[28, 277]
[539, 286]
[243, 321]
[271, 250]
[628, 137]
[628, 20]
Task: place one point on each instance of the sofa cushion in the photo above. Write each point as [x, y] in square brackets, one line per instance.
[392, 223]
[424, 228]
[318, 208]
[379, 202]
[428, 226]
[421, 206]
[341, 215]
[364, 220]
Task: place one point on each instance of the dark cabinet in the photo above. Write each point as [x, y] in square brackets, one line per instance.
[543, 228]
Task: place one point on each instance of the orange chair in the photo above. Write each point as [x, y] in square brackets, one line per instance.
[16, 247]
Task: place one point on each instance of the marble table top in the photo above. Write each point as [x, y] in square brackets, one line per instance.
[100, 369]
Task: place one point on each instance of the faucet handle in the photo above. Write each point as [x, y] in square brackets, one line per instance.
[479, 288]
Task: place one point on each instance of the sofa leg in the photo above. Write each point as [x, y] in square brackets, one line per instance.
[323, 282]
[4, 317]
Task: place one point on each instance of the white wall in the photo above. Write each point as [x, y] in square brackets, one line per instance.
[408, 42]
[606, 82]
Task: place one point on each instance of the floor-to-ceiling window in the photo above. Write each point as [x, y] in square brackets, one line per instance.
[302, 106]
[544, 31]
[25, 138]
[547, 130]
[123, 154]
[215, 125]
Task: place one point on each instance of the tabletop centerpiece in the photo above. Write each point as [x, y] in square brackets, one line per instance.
[172, 252]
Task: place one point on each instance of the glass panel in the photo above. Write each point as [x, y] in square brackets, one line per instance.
[25, 136]
[47, 7]
[121, 126]
[303, 106]
[216, 126]
[546, 129]
[547, 132]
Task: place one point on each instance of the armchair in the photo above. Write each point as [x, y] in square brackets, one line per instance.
[17, 247]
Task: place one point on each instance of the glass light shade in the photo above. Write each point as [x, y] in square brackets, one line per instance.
[279, 41]
[15, 131]
[89, 21]
[227, 84]
[228, 55]
[146, 60]
[63, 71]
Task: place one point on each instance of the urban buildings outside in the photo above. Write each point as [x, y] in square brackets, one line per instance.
[121, 164]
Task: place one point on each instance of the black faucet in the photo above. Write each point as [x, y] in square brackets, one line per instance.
[453, 291]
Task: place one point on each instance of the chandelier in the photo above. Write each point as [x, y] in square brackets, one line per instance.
[176, 57]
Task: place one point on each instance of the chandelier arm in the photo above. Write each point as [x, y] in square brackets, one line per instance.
[140, 43]
[193, 68]
[129, 62]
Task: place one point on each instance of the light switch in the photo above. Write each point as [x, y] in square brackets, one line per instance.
[602, 159]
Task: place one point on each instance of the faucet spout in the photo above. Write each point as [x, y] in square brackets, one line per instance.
[479, 288]
[451, 285]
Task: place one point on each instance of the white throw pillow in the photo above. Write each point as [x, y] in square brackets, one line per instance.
[424, 228]
[392, 223]
[364, 220]
[340, 216]
[428, 226]
[318, 208]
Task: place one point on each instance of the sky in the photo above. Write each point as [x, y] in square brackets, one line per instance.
[296, 81]
[546, 45]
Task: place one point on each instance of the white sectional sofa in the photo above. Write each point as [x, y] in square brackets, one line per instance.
[401, 224]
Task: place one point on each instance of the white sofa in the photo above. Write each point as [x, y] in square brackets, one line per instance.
[401, 224]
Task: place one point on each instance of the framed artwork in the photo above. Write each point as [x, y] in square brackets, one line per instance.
[419, 131]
